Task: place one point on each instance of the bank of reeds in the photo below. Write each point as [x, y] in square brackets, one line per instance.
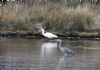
[54, 17]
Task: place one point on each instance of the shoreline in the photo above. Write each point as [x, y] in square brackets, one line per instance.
[32, 35]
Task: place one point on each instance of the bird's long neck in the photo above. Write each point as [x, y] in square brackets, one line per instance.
[43, 31]
[59, 44]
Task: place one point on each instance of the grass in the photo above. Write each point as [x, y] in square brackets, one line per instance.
[53, 16]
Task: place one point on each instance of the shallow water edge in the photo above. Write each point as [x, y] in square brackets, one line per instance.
[38, 35]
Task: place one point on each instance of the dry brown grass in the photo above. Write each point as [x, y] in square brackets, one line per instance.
[53, 16]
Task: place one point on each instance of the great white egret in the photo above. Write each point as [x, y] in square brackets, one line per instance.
[48, 34]
[64, 49]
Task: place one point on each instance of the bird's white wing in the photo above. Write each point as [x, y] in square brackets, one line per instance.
[50, 35]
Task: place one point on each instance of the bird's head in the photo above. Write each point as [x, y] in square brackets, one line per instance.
[41, 30]
[59, 40]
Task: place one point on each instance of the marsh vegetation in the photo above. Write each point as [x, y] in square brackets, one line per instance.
[58, 17]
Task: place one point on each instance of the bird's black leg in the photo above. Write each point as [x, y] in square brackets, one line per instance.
[47, 39]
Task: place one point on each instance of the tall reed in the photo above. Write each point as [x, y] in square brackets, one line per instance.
[55, 17]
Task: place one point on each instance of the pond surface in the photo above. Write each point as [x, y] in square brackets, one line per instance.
[39, 54]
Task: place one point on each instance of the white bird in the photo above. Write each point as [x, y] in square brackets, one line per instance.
[48, 34]
[64, 49]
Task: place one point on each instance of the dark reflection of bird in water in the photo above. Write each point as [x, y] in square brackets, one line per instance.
[64, 61]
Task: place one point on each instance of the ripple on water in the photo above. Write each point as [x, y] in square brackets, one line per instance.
[25, 54]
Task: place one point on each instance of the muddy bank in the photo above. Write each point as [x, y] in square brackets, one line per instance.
[39, 35]
[20, 34]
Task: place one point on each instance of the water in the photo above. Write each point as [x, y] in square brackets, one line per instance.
[38, 54]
